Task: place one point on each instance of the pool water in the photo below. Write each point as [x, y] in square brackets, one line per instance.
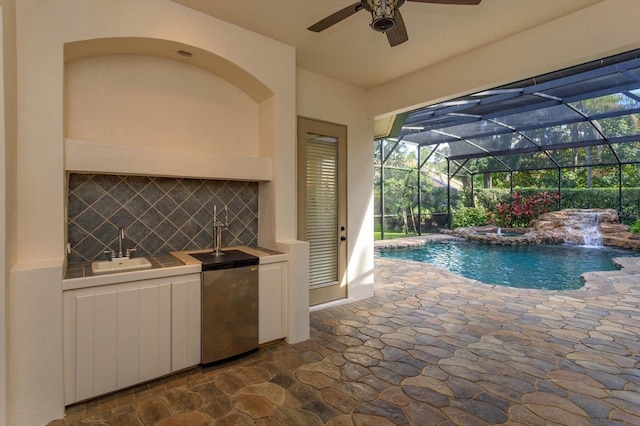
[552, 267]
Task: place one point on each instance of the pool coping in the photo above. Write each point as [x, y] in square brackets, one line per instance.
[595, 282]
[415, 241]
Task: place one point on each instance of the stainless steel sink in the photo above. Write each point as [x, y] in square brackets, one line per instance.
[120, 265]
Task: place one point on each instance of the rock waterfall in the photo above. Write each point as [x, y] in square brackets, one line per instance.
[591, 227]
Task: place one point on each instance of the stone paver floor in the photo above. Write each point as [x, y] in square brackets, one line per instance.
[430, 348]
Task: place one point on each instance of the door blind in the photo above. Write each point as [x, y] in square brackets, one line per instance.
[322, 209]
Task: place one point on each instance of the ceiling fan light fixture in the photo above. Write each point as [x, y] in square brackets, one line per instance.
[385, 16]
[383, 13]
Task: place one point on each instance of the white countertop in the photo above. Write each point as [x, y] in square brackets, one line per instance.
[121, 277]
[191, 266]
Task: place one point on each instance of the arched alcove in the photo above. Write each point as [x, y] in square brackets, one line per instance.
[209, 61]
[152, 106]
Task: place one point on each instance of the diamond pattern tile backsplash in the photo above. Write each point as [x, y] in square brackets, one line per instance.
[158, 214]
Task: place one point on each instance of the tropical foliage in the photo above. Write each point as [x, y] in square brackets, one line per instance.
[522, 210]
[469, 216]
[403, 211]
[576, 198]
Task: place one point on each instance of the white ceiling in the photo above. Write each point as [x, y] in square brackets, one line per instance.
[352, 52]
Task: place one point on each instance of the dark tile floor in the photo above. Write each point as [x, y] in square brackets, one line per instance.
[430, 348]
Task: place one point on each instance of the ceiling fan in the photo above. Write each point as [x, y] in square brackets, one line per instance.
[385, 14]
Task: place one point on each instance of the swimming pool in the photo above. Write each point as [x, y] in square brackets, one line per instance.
[552, 267]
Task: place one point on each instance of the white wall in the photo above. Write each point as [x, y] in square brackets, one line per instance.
[34, 390]
[3, 238]
[135, 100]
[8, 195]
[324, 99]
[146, 115]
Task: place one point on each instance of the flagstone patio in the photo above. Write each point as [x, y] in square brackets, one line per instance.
[430, 348]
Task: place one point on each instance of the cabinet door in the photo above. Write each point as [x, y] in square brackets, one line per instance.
[115, 337]
[144, 334]
[271, 302]
[128, 336]
[185, 324]
[96, 345]
[155, 332]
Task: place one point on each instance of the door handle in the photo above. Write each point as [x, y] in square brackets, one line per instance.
[343, 238]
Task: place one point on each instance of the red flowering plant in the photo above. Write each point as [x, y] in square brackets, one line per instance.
[521, 211]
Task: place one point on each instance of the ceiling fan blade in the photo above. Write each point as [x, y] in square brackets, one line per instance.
[335, 17]
[398, 34]
[458, 2]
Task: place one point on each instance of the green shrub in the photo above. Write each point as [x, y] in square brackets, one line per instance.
[574, 198]
[635, 227]
[490, 197]
[522, 210]
[469, 216]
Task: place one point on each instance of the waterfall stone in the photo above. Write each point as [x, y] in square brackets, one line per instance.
[571, 226]
[575, 226]
[568, 226]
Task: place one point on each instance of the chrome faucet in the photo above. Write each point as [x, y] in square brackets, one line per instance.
[120, 238]
[120, 255]
[218, 226]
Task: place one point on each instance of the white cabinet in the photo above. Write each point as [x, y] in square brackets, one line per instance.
[185, 323]
[121, 334]
[273, 284]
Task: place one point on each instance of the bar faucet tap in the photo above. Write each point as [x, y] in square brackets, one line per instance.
[120, 255]
[218, 226]
[120, 238]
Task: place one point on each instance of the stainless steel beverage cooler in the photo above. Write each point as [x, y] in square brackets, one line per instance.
[229, 305]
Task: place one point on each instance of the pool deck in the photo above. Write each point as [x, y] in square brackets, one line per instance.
[601, 282]
[519, 356]
[429, 348]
